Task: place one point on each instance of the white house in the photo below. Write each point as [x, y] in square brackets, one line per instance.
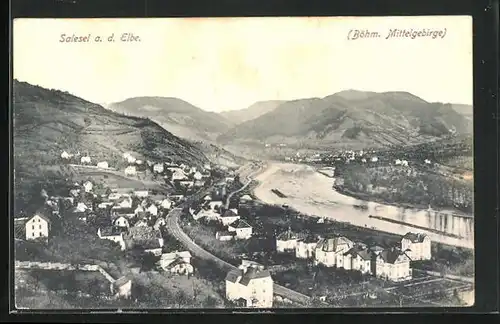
[207, 198]
[153, 210]
[166, 203]
[207, 166]
[286, 241]
[393, 264]
[88, 186]
[85, 160]
[121, 221]
[65, 155]
[123, 202]
[228, 217]
[404, 163]
[243, 229]
[197, 175]
[103, 165]
[139, 209]
[186, 183]
[38, 226]
[131, 159]
[178, 175]
[330, 250]
[176, 262]
[416, 246]
[427, 161]
[158, 168]
[252, 284]
[306, 247]
[374, 159]
[139, 162]
[114, 196]
[112, 233]
[130, 170]
[81, 207]
[359, 259]
[397, 162]
[141, 193]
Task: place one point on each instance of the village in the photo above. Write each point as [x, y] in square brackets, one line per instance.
[138, 219]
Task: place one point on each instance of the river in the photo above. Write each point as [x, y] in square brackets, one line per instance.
[311, 193]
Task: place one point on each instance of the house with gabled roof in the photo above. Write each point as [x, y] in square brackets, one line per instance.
[417, 246]
[358, 258]
[393, 264]
[141, 193]
[176, 262]
[122, 287]
[286, 241]
[121, 221]
[158, 168]
[242, 229]
[252, 284]
[330, 250]
[145, 237]
[207, 198]
[152, 209]
[166, 203]
[306, 247]
[123, 202]
[35, 227]
[228, 217]
[112, 233]
[225, 235]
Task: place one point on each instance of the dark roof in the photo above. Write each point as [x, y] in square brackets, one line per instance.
[287, 236]
[233, 275]
[330, 244]
[415, 237]
[239, 223]
[364, 254]
[229, 213]
[309, 239]
[111, 231]
[390, 255]
[42, 216]
[253, 273]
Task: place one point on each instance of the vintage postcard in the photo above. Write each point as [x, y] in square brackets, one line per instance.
[176, 163]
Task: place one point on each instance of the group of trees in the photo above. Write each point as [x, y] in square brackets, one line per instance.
[408, 186]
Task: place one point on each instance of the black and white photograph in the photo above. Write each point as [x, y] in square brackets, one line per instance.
[232, 163]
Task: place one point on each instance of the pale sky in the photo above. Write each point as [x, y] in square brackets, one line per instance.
[222, 64]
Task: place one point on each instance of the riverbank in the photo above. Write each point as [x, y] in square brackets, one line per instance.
[365, 196]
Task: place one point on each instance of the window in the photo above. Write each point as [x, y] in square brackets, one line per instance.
[32, 227]
[33, 234]
[39, 226]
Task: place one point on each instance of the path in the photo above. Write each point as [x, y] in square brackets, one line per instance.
[174, 228]
[249, 180]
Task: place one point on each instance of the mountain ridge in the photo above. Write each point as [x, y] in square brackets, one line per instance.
[371, 118]
[178, 116]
